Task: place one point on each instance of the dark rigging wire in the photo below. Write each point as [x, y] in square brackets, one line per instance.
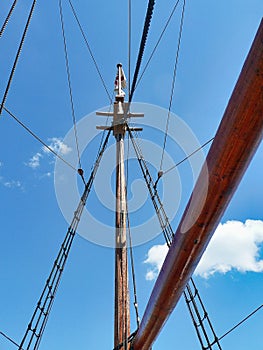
[132, 335]
[129, 46]
[242, 321]
[38, 321]
[135, 303]
[173, 84]
[38, 139]
[157, 43]
[8, 338]
[187, 157]
[104, 131]
[90, 51]
[69, 81]
[147, 23]
[8, 18]
[17, 56]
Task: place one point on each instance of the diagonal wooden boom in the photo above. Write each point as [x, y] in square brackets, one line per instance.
[236, 141]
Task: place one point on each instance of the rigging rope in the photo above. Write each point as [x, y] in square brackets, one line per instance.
[90, 51]
[39, 139]
[135, 303]
[17, 56]
[10, 339]
[156, 200]
[130, 339]
[129, 46]
[187, 157]
[69, 81]
[8, 18]
[37, 324]
[173, 84]
[241, 322]
[157, 43]
[107, 120]
[147, 23]
[198, 319]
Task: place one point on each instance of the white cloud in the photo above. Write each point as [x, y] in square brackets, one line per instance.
[34, 162]
[48, 174]
[12, 184]
[58, 146]
[234, 246]
[155, 258]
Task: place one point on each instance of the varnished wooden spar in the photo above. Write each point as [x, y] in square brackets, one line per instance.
[236, 141]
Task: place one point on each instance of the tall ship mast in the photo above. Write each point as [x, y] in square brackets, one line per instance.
[184, 240]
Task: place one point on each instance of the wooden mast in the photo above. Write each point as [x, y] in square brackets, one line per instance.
[121, 298]
[121, 312]
[120, 114]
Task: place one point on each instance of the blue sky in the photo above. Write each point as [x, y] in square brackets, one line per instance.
[216, 39]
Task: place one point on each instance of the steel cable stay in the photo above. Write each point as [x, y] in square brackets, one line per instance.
[9, 339]
[161, 174]
[135, 303]
[69, 82]
[125, 345]
[38, 138]
[80, 171]
[129, 45]
[241, 322]
[8, 18]
[37, 324]
[90, 51]
[188, 156]
[17, 56]
[106, 123]
[168, 236]
[173, 84]
[158, 206]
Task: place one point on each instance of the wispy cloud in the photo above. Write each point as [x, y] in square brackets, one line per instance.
[56, 144]
[11, 183]
[234, 246]
[34, 162]
[48, 174]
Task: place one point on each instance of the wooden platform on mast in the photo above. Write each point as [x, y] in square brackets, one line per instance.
[121, 116]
